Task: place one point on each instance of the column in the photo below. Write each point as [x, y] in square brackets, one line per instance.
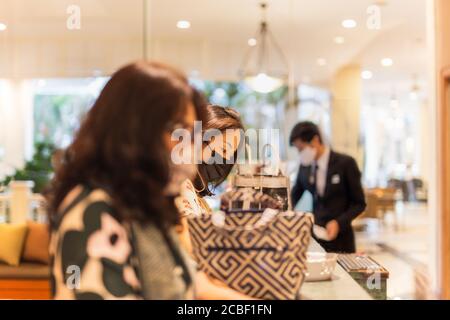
[345, 111]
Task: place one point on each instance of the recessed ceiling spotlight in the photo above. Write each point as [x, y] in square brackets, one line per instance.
[367, 75]
[322, 62]
[183, 24]
[252, 42]
[3, 27]
[387, 62]
[339, 40]
[349, 24]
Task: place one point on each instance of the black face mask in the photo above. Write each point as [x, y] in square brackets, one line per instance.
[216, 172]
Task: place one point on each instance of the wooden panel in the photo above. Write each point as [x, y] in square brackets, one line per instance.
[25, 289]
[442, 47]
[444, 184]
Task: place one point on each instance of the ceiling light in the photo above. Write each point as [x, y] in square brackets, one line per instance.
[367, 75]
[259, 72]
[322, 62]
[387, 62]
[339, 40]
[252, 42]
[263, 83]
[349, 24]
[183, 24]
[3, 27]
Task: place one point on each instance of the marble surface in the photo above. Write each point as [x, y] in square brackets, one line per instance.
[340, 287]
[408, 251]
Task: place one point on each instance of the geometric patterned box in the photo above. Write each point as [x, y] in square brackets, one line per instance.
[261, 255]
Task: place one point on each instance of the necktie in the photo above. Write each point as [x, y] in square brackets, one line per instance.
[315, 169]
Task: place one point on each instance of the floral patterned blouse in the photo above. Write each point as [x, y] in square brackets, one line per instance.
[189, 202]
[92, 255]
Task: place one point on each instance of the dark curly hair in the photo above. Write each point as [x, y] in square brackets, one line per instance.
[120, 145]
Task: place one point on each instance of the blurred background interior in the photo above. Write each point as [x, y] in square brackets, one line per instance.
[361, 69]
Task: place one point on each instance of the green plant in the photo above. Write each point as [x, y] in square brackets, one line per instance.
[57, 117]
[38, 169]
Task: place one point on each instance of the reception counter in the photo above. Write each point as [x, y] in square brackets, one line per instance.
[341, 287]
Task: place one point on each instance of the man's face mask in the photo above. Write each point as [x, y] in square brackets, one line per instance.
[307, 156]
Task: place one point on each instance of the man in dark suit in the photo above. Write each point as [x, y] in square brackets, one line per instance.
[334, 180]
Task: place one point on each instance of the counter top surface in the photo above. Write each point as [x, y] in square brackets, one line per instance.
[341, 287]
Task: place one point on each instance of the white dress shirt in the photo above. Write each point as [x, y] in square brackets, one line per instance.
[322, 168]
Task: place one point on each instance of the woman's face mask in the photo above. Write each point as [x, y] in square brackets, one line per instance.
[307, 156]
[219, 158]
[215, 169]
[214, 172]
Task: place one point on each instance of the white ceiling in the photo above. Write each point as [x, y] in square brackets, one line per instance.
[304, 28]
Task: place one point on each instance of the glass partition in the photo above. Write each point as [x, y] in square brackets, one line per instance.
[55, 56]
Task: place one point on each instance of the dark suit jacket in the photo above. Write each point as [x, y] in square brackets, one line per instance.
[343, 199]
